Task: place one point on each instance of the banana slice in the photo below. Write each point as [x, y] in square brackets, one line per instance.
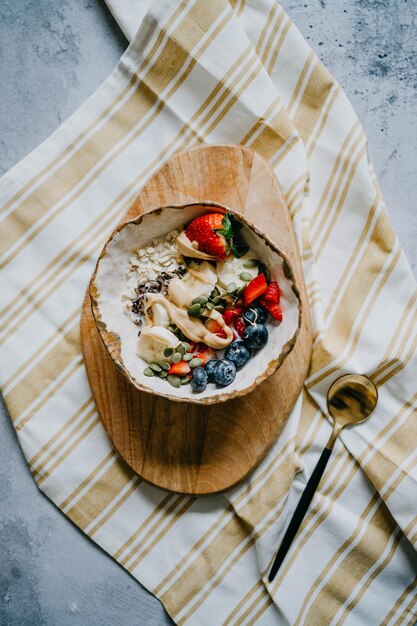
[229, 270]
[152, 342]
[160, 316]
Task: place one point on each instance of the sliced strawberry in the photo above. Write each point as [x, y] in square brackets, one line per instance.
[274, 310]
[214, 327]
[231, 314]
[205, 356]
[272, 294]
[240, 326]
[255, 289]
[212, 232]
[179, 369]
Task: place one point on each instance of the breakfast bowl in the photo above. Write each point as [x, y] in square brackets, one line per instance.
[192, 312]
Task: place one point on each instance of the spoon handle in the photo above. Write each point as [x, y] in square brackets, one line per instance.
[300, 511]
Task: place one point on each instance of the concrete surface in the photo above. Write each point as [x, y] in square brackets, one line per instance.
[50, 573]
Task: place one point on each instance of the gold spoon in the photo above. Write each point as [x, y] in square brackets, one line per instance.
[350, 401]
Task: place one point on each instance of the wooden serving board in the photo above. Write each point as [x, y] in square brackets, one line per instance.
[188, 448]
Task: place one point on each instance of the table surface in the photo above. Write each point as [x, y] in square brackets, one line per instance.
[51, 574]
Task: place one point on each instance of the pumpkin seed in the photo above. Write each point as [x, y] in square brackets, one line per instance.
[186, 345]
[187, 357]
[250, 263]
[176, 357]
[181, 349]
[214, 293]
[210, 306]
[194, 310]
[196, 362]
[219, 307]
[163, 374]
[168, 351]
[245, 276]
[148, 372]
[185, 380]
[218, 300]
[231, 287]
[174, 381]
[155, 367]
[200, 300]
[164, 365]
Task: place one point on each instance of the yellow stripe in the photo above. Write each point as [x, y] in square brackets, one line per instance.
[35, 458]
[336, 214]
[278, 47]
[45, 372]
[173, 57]
[296, 92]
[311, 147]
[314, 98]
[336, 166]
[101, 494]
[160, 507]
[352, 567]
[411, 587]
[59, 331]
[44, 474]
[360, 284]
[163, 29]
[54, 388]
[90, 478]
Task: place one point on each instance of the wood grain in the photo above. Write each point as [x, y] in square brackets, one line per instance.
[181, 447]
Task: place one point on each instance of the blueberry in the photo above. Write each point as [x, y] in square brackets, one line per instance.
[255, 313]
[255, 336]
[210, 366]
[199, 379]
[238, 353]
[225, 372]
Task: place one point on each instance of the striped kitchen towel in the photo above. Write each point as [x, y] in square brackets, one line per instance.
[223, 72]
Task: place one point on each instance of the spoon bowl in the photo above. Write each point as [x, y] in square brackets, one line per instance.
[350, 401]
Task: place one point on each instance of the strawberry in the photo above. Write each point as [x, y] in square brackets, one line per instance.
[205, 356]
[212, 232]
[255, 289]
[272, 294]
[240, 326]
[179, 369]
[270, 301]
[274, 310]
[214, 327]
[192, 347]
[231, 314]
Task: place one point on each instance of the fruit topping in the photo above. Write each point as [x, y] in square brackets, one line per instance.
[205, 356]
[231, 314]
[225, 372]
[238, 353]
[217, 234]
[271, 300]
[272, 294]
[275, 311]
[212, 232]
[214, 327]
[255, 336]
[256, 288]
[199, 379]
[210, 367]
[179, 369]
[240, 326]
[255, 313]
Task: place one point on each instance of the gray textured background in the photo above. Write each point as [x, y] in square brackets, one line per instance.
[54, 53]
